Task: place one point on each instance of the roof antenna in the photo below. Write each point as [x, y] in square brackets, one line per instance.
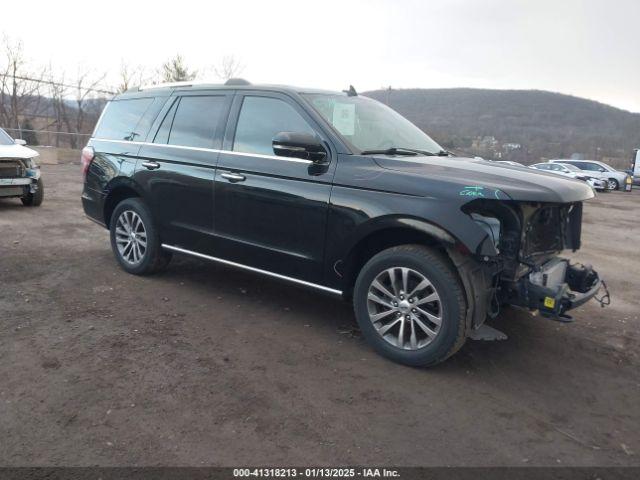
[351, 92]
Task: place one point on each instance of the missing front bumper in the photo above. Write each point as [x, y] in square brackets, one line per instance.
[557, 287]
[17, 187]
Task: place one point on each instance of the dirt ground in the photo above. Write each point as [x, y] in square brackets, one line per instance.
[206, 365]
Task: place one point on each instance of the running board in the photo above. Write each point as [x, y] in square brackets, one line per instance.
[252, 269]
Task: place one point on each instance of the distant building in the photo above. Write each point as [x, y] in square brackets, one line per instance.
[507, 147]
[485, 143]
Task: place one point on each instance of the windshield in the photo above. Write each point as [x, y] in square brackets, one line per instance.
[5, 139]
[366, 124]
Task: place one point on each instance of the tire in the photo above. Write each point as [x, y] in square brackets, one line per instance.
[145, 259]
[450, 307]
[34, 199]
[612, 184]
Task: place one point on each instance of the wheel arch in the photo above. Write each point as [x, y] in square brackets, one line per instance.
[389, 233]
[117, 190]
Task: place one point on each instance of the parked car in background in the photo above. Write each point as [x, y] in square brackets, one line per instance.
[615, 179]
[19, 172]
[509, 162]
[567, 170]
[337, 192]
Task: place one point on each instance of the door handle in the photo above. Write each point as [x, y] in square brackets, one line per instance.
[233, 177]
[151, 165]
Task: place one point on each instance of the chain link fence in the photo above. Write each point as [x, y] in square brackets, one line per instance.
[50, 138]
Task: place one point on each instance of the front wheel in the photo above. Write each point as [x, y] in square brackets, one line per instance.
[411, 306]
[34, 199]
[612, 184]
[134, 239]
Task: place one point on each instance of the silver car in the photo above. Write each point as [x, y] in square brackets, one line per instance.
[568, 170]
[614, 178]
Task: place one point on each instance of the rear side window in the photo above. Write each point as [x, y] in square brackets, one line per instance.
[123, 120]
[592, 167]
[192, 121]
[260, 119]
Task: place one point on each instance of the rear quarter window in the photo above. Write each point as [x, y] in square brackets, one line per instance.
[126, 120]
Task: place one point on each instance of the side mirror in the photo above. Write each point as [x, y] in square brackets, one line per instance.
[299, 145]
[19, 141]
[601, 170]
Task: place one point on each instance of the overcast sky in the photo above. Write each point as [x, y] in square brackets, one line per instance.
[588, 48]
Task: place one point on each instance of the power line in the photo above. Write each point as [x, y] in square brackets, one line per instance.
[51, 82]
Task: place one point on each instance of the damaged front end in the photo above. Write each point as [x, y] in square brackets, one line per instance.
[524, 268]
[18, 177]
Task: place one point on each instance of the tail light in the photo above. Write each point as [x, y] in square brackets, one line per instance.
[86, 158]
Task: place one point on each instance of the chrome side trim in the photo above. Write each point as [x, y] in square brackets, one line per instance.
[252, 269]
[211, 150]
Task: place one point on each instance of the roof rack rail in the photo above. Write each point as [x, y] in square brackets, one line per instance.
[165, 85]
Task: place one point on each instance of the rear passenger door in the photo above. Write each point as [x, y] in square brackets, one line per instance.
[176, 167]
[271, 211]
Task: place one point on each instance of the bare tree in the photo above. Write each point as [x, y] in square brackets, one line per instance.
[131, 76]
[175, 70]
[229, 67]
[86, 83]
[19, 86]
[75, 105]
[58, 92]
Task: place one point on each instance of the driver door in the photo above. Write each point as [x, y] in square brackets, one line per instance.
[270, 212]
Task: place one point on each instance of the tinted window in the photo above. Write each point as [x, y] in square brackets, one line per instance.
[260, 119]
[196, 120]
[163, 132]
[593, 167]
[542, 167]
[121, 120]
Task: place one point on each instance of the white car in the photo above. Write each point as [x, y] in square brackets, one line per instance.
[19, 172]
[509, 162]
[568, 170]
[614, 178]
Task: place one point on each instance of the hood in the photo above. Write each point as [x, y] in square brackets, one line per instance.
[16, 151]
[474, 176]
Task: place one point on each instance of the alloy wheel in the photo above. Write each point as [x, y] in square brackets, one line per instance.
[405, 308]
[131, 237]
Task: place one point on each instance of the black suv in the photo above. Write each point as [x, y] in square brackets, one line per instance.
[338, 192]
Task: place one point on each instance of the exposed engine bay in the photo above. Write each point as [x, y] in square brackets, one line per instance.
[524, 268]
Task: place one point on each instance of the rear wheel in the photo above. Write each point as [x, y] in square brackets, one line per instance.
[411, 306]
[612, 184]
[134, 239]
[34, 199]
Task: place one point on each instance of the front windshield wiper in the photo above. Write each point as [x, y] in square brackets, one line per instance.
[398, 151]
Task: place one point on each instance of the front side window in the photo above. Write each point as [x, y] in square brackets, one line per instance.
[366, 124]
[261, 118]
[194, 123]
[122, 120]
